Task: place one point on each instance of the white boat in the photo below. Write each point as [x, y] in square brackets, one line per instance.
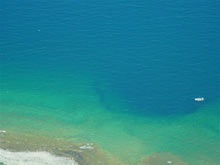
[199, 99]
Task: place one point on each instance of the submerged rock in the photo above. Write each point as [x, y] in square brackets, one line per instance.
[58, 148]
[162, 159]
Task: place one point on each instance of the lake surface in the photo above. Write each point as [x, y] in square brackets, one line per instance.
[121, 74]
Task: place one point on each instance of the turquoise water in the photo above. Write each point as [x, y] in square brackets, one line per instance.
[122, 74]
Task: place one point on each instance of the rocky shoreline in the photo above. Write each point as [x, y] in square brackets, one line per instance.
[57, 150]
[82, 153]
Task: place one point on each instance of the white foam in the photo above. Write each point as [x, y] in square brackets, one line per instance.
[2, 131]
[86, 147]
[33, 158]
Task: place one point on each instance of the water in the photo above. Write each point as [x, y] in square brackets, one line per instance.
[122, 74]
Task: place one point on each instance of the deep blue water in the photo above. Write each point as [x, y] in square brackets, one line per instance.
[155, 55]
[112, 73]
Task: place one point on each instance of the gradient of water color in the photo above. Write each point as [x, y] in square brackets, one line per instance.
[122, 74]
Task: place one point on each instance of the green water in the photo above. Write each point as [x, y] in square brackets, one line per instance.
[82, 117]
[121, 74]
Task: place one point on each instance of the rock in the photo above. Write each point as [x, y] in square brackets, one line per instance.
[162, 158]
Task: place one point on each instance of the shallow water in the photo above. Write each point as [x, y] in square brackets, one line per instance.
[122, 75]
[194, 137]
